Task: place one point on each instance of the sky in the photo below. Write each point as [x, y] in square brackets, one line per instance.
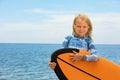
[49, 21]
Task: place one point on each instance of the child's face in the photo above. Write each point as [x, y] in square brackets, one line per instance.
[81, 27]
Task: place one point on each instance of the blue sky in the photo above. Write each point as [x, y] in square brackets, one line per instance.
[49, 21]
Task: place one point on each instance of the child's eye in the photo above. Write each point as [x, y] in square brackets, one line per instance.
[84, 26]
[79, 26]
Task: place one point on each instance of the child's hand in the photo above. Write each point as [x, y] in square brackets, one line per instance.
[76, 57]
[52, 65]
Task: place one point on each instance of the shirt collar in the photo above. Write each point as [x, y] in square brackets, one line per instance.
[81, 37]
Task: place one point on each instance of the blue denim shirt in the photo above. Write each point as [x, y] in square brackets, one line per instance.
[81, 43]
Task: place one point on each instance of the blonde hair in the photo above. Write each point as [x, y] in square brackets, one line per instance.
[85, 18]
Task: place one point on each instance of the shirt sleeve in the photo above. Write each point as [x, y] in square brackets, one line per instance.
[93, 51]
[66, 41]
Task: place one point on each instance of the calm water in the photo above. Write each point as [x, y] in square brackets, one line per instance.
[30, 61]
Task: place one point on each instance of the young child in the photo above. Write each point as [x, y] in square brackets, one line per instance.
[80, 39]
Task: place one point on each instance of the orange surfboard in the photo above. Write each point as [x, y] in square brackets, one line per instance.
[83, 70]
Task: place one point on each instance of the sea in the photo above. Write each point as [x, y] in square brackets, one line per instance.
[29, 61]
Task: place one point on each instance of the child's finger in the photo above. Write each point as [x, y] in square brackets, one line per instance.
[75, 52]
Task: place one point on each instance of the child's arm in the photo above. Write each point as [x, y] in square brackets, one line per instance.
[83, 55]
[93, 51]
[64, 45]
[66, 41]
